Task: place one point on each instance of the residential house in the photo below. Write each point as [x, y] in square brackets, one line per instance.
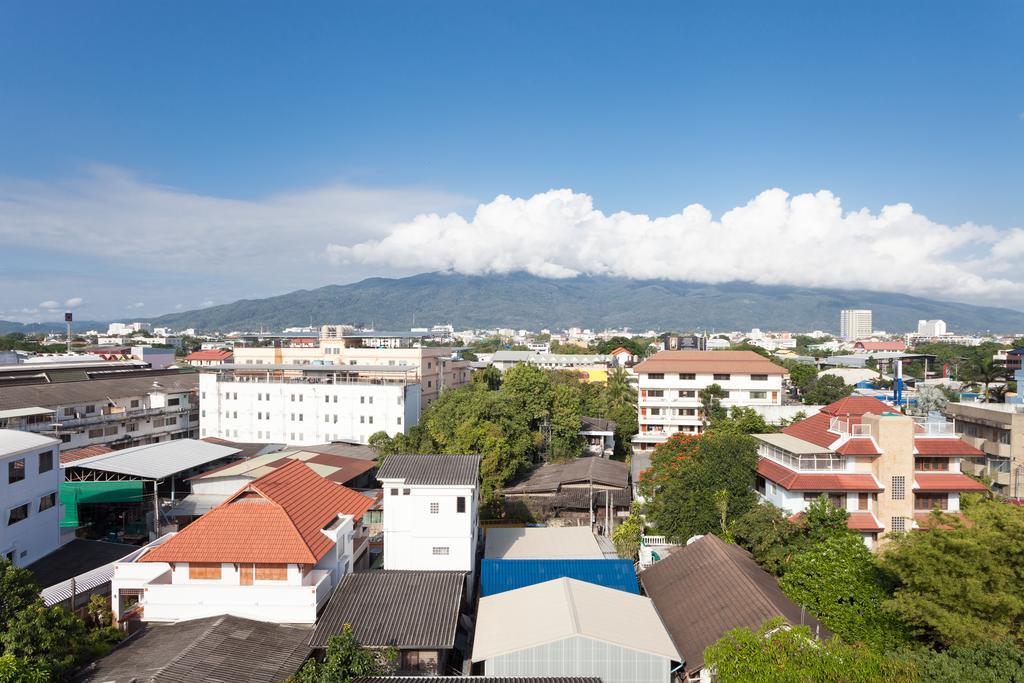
[209, 358]
[430, 511]
[996, 429]
[876, 346]
[594, 365]
[566, 627]
[272, 552]
[586, 489]
[599, 435]
[886, 469]
[29, 496]
[708, 587]
[670, 383]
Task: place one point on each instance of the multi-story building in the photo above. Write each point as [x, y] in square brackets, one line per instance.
[29, 496]
[306, 404]
[109, 405]
[888, 470]
[209, 357]
[430, 511]
[996, 429]
[670, 382]
[272, 552]
[931, 328]
[579, 362]
[854, 323]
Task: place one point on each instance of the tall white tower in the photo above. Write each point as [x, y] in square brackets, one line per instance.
[855, 323]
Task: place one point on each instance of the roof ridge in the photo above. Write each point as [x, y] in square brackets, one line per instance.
[287, 514]
[720, 549]
[570, 599]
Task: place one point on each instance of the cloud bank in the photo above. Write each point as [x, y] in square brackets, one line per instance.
[774, 239]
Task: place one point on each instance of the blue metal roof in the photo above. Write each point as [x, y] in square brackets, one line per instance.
[498, 576]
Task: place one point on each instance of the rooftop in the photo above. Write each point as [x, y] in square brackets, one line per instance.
[946, 481]
[76, 557]
[432, 470]
[156, 460]
[498, 576]
[795, 481]
[542, 543]
[508, 622]
[97, 390]
[596, 424]
[13, 441]
[551, 477]
[708, 587]
[740, 362]
[210, 354]
[402, 609]
[337, 468]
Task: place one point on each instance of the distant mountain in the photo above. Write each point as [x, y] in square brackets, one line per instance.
[524, 301]
[9, 326]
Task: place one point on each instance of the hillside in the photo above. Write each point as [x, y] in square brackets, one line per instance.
[524, 301]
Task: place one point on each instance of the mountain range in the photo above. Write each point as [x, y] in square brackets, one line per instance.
[520, 300]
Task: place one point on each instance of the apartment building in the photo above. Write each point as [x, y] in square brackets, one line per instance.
[433, 367]
[121, 408]
[302, 405]
[854, 323]
[669, 383]
[430, 511]
[996, 429]
[30, 480]
[888, 470]
[273, 552]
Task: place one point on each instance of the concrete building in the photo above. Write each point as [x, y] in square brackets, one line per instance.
[29, 496]
[668, 400]
[209, 358]
[581, 362]
[124, 329]
[272, 552]
[888, 470]
[855, 323]
[996, 429]
[307, 404]
[931, 328]
[430, 511]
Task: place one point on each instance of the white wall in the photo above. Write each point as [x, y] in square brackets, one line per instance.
[412, 531]
[28, 540]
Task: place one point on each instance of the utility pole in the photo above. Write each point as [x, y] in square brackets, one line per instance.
[67, 319]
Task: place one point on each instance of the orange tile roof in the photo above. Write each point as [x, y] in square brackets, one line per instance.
[864, 521]
[858, 446]
[83, 452]
[948, 446]
[738, 362]
[275, 519]
[209, 354]
[881, 346]
[946, 481]
[795, 481]
[857, 406]
[813, 429]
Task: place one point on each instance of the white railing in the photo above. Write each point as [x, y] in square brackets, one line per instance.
[926, 428]
[654, 540]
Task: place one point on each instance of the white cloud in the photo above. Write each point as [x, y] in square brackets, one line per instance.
[50, 305]
[775, 238]
[73, 302]
[206, 304]
[138, 305]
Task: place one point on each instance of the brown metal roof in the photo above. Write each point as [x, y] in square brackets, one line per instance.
[551, 477]
[708, 587]
[95, 390]
[402, 609]
[734, 362]
[432, 470]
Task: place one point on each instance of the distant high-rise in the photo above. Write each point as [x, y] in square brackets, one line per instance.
[855, 323]
[931, 328]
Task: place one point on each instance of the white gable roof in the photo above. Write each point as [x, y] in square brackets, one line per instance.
[542, 543]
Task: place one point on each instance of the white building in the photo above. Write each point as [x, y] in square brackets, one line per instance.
[306, 404]
[931, 328]
[430, 511]
[29, 497]
[670, 383]
[124, 329]
[272, 552]
[854, 323]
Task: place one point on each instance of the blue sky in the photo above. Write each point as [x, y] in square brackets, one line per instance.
[143, 145]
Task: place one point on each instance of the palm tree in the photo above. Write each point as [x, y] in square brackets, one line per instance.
[619, 393]
[985, 371]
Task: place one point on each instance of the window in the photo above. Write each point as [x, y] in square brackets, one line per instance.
[89, 410]
[898, 524]
[394, 492]
[688, 393]
[758, 394]
[45, 461]
[69, 412]
[931, 501]
[932, 464]
[362, 419]
[721, 375]
[655, 411]
[429, 384]
[761, 485]
[369, 419]
[440, 550]
[327, 399]
[174, 402]
[838, 500]
[271, 572]
[362, 399]
[863, 501]
[16, 470]
[899, 488]
[406, 492]
[21, 512]
[460, 504]
[204, 570]
[327, 418]
[435, 508]
[759, 378]
[399, 422]
[655, 393]
[48, 501]
[655, 375]
[371, 400]
[1003, 436]
[687, 375]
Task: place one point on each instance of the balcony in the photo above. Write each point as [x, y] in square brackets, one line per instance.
[923, 427]
[118, 416]
[840, 426]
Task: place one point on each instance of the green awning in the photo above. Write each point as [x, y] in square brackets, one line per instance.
[74, 492]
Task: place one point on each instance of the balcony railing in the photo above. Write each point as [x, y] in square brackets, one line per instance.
[925, 428]
[106, 416]
[841, 426]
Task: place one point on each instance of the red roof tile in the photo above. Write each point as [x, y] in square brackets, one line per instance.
[948, 446]
[857, 405]
[795, 481]
[275, 519]
[813, 429]
[83, 452]
[739, 362]
[946, 481]
[863, 521]
[858, 446]
[210, 354]
[881, 346]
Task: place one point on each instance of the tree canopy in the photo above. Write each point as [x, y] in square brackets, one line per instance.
[346, 660]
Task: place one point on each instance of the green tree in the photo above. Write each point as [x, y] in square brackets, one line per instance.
[826, 389]
[627, 535]
[744, 421]
[774, 654]
[836, 579]
[620, 407]
[18, 590]
[382, 444]
[54, 638]
[530, 389]
[21, 670]
[982, 662]
[801, 375]
[985, 371]
[688, 475]
[823, 521]
[711, 403]
[346, 660]
[965, 583]
[766, 532]
[488, 378]
[566, 442]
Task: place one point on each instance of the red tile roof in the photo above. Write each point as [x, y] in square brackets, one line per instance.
[858, 446]
[275, 519]
[946, 481]
[880, 346]
[864, 521]
[947, 446]
[83, 452]
[813, 429]
[210, 354]
[795, 481]
[857, 406]
[739, 362]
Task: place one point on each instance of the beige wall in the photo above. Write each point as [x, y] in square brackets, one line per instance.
[979, 425]
[895, 437]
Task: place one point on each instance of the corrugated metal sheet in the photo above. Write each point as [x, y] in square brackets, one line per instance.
[96, 390]
[477, 679]
[157, 460]
[432, 470]
[498, 576]
[402, 609]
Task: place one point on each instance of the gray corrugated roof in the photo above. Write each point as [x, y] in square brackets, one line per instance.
[95, 390]
[596, 424]
[432, 470]
[157, 460]
[708, 587]
[403, 609]
[76, 557]
[551, 477]
[477, 679]
[225, 649]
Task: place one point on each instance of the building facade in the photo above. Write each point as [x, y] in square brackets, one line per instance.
[855, 323]
[306, 404]
[29, 496]
[430, 511]
[888, 470]
[670, 382]
[996, 429]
